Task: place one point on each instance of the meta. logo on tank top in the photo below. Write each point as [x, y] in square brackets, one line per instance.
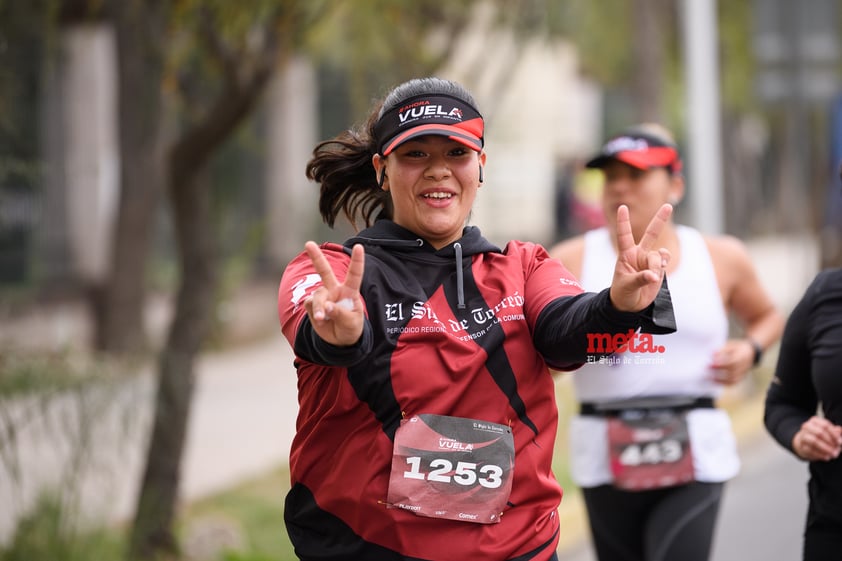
[611, 348]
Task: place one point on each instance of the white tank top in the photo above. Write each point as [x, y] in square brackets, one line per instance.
[683, 368]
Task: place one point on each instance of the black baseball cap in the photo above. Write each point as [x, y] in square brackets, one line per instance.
[638, 149]
[438, 114]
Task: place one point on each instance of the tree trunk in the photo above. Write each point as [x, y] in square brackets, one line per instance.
[152, 532]
[119, 303]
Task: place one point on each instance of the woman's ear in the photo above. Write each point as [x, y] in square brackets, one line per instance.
[676, 192]
[379, 164]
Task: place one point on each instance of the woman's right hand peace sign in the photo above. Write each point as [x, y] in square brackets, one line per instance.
[640, 267]
[336, 310]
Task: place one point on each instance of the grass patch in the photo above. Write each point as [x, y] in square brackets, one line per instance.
[46, 535]
[246, 521]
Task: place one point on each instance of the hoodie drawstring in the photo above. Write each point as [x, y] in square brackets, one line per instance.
[460, 288]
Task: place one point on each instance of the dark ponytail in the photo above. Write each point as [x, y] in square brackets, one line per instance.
[343, 168]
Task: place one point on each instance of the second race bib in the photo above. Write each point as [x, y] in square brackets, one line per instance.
[650, 450]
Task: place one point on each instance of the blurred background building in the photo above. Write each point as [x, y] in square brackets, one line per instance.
[544, 91]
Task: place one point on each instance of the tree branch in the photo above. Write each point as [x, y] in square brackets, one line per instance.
[240, 92]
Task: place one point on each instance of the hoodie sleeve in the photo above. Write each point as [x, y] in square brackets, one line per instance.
[309, 346]
[564, 315]
[561, 332]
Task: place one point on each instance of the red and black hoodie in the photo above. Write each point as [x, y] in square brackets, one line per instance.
[467, 331]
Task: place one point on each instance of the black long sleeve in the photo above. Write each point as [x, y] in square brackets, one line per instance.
[561, 333]
[809, 362]
[806, 377]
[309, 346]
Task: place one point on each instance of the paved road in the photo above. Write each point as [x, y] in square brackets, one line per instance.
[762, 512]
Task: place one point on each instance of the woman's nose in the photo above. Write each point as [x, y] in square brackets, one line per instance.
[437, 169]
[618, 185]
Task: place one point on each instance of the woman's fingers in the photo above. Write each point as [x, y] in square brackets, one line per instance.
[321, 265]
[818, 439]
[354, 278]
[331, 300]
[315, 304]
[655, 266]
[625, 238]
[655, 227]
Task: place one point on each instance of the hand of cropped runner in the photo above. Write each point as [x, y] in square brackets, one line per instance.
[336, 309]
[818, 440]
[640, 268]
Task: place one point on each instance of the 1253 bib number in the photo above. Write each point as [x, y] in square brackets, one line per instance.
[453, 468]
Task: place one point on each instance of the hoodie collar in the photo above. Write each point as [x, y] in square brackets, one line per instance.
[385, 233]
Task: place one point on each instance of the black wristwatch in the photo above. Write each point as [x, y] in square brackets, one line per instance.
[758, 351]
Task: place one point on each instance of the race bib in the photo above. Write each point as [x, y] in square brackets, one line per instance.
[453, 468]
[649, 449]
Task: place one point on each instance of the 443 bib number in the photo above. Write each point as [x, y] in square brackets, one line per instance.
[650, 451]
[665, 451]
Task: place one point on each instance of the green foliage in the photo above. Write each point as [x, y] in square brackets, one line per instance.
[47, 534]
[214, 42]
[42, 373]
[601, 29]
[25, 31]
[382, 42]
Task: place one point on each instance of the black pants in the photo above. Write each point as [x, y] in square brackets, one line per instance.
[675, 523]
[822, 537]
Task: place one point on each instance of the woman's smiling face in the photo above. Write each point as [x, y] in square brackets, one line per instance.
[433, 182]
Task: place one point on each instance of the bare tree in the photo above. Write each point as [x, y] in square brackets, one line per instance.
[141, 50]
[245, 74]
